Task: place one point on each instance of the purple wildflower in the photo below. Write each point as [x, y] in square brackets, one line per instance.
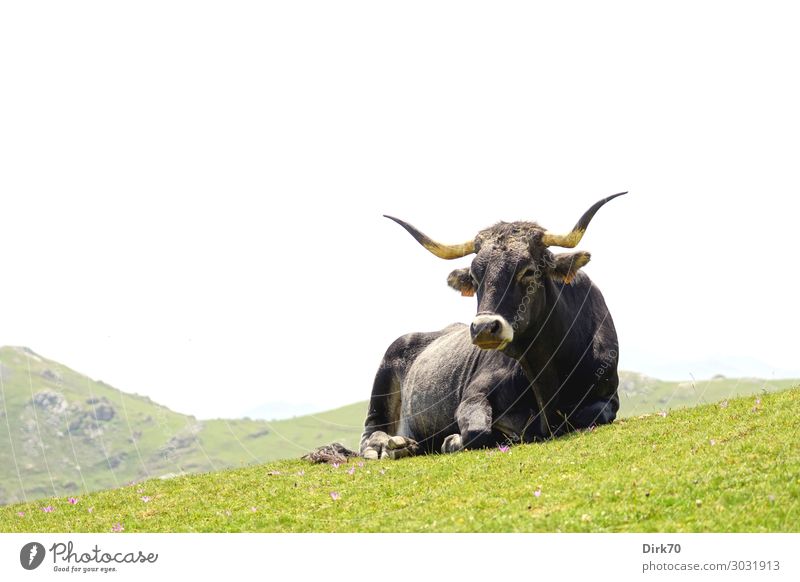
[117, 527]
[21, 513]
[360, 464]
[335, 496]
[90, 510]
[72, 500]
[662, 414]
[351, 471]
[335, 465]
[146, 498]
[254, 509]
[503, 448]
[48, 509]
[538, 492]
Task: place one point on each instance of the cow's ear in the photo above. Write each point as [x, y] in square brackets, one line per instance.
[461, 280]
[565, 266]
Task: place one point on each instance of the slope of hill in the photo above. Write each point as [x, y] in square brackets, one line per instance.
[62, 433]
[640, 394]
[732, 467]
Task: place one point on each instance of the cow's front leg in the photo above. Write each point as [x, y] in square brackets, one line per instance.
[382, 415]
[452, 444]
[380, 445]
[375, 446]
[545, 391]
[400, 447]
[474, 418]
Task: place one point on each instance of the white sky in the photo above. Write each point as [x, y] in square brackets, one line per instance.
[191, 193]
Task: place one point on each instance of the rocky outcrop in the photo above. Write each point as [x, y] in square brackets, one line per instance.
[50, 402]
[90, 422]
[114, 461]
[103, 412]
[51, 375]
[182, 441]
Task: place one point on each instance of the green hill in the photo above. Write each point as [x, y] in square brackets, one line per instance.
[731, 467]
[640, 394]
[62, 433]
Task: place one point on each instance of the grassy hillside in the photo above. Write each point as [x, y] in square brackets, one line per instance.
[726, 467]
[62, 433]
[640, 394]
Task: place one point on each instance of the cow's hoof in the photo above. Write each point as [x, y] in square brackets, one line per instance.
[452, 444]
[376, 446]
[400, 447]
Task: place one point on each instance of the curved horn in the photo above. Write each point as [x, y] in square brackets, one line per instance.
[438, 249]
[571, 240]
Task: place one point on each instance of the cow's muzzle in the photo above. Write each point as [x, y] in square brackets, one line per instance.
[491, 332]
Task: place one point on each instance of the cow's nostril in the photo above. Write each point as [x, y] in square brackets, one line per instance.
[490, 332]
[492, 327]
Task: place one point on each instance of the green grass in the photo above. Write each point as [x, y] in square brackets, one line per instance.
[41, 456]
[731, 467]
[62, 449]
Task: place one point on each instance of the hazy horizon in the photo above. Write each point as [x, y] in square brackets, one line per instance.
[285, 409]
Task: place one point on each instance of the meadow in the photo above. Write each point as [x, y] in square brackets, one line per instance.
[732, 466]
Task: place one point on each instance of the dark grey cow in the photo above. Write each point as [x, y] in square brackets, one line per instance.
[539, 359]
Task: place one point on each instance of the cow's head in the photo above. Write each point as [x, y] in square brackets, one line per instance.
[511, 266]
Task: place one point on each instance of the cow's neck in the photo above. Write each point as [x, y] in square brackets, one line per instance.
[538, 353]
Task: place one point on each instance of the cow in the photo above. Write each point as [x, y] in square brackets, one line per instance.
[538, 360]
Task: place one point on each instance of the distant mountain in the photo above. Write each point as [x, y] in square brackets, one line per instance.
[279, 410]
[62, 433]
[640, 394]
[732, 367]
